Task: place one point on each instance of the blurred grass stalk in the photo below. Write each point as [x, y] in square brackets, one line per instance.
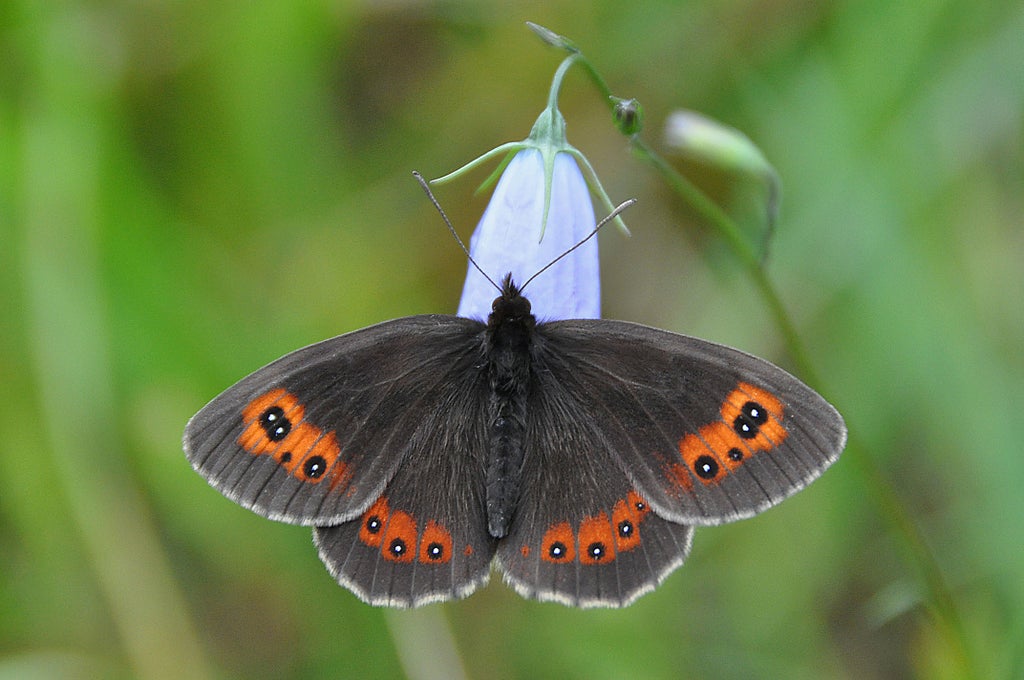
[62, 137]
[425, 633]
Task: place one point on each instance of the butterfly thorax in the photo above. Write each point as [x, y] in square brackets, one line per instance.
[509, 335]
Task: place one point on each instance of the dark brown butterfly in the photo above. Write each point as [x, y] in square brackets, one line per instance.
[574, 455]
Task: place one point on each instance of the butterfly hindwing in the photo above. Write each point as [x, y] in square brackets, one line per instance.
[425, 538]
[707, 433]
[314, 437]
[583, 535]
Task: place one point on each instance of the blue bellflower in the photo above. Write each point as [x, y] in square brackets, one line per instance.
[513, 236]
[540, 209]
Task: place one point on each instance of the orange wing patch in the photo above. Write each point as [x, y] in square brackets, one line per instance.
[371, 529]
[435, 544]
[751, 422]
[395, 533]
[558, 544]
[626, 522]
[597, 539]
[275, 425]
[399, 544]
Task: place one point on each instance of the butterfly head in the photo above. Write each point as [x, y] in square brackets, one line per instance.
[511, 305]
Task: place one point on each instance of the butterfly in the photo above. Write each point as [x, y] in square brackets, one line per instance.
[574, 456]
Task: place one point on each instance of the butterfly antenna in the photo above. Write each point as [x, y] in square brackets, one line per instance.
[611, 216]
[430, 195]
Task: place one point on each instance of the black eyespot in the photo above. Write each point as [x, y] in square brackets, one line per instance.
[744, 427]
[735, 454]
[706, 467]
[640, 506]
[596, 550]
[557, 550]
[272, 414]
[373, 524]
[314, 467]
[435, 551]
[625, 528]
[397, 547]
[275, 424]
[755, 413]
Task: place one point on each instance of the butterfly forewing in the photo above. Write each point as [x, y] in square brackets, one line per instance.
[314, 437]
[707, 433]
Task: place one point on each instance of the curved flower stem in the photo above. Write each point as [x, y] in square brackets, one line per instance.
[727, 228]
[598, 81]
[942, 603]
[556, 80]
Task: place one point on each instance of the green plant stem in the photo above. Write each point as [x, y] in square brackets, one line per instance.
[727, 228]
[556, 80]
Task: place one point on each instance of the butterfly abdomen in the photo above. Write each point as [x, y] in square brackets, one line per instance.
[509, 335]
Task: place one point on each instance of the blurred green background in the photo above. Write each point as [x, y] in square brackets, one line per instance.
[189, 190]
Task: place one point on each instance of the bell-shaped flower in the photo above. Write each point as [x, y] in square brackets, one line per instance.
[540, 209]
[512, 237]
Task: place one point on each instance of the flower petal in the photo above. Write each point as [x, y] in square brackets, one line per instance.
[509, 239]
